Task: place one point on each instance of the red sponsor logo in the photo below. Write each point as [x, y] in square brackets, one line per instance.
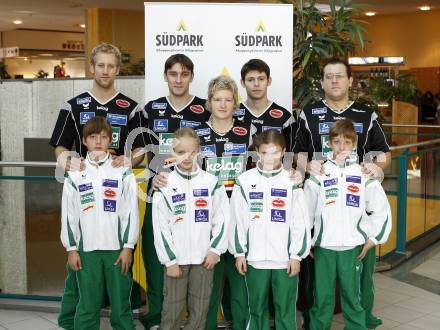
[278, 203]
[197, 108]
[122, 103]
[201, 203]
[240, 131]
[276, 113]
[109, 193]
[87, 208]
[353, 188]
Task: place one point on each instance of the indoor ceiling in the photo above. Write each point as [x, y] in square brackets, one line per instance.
[67, 15]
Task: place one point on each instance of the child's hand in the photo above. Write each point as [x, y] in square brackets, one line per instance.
[74, 260]
[210, 260]
[75, 164]
[315, 167]
[368, 245]
[174, 271]
[296, 176]
[241, 265]
[160, 180]
[125, 257]
[119, 161]
[293, 267]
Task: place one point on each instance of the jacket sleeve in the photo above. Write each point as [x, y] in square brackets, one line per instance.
[129, 211]
[299, 228]
[378, 207]
[70, 212]
[220, 219]
[239, 222]
[303, 137]
[162, 218]
[312, 187]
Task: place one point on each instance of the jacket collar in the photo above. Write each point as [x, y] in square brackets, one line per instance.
[97, 163]
[187, 175]
[349, 161]
[268, 173]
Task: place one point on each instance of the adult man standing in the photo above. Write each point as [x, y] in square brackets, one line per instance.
[164, 116]
[312, 138]
[123, 114]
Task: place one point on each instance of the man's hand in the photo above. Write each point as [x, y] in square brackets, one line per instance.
[315, 167]
[174, 271]
[296, 176]
[74, 260]
[120, 161]
[311, 254]
[211, 260]
[73, 164]
[241, 265]
[160, 180]
[293, 267]
[372, 171]
[125, 258]
[368, 245]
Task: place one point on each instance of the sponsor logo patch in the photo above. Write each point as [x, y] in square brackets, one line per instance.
[278, 192]
[265, 128]
[87, 198]
[201, 203]
[225, 168]
[233, 148]
[159, 106]
[209, 150]
[114, 119]
[178, 198]
[240, 131]
[179, 209]
[353, 188]
[88, 207]
[165, 143]
[203, 131]
[239, 112]
[84, 117]
[84, 100]
[278, 203]
[122, 103]
[200, 192]
[189, 124]
[116, 133]
[197, 108]
[324, 128]
[110, 183]
[109, 205]
[278, 215]
[256, 217]
[319, 111]
[85, 187]
[109, 193]
[276, 113]
[256, 195]
[330, 182]
[353, 178]
[256, 207]
[201, 215]
[331, 193]
[359, 127]
[352, 200]
[160, 125]
[101, 107]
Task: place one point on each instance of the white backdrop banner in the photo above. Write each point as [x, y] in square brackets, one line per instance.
[219, 39]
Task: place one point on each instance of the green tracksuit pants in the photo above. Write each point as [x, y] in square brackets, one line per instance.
[154, 271]
[344, 267]
[259, 282]
[367, 289]
[97, 266]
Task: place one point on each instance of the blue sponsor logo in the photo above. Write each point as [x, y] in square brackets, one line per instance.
[178, 198]
[110, 183]
[189, 124]
[265, 128]
[319, 111]
[330, 182]
[201, 215]
[352, 200]
[84, 100]
[353, 178]
[324, 128]
[203, 131]
[84, 117]
[232, 148]
[200, 192]
[85, 187]
[278, 215]
[109, 205]
[359, 127]
[160, 125]
[114, 119]
[159, 106]
[256, 195]
[209, 150]
[240, 112]
[279, 192]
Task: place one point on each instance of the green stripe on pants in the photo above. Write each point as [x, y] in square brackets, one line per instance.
[367, 289]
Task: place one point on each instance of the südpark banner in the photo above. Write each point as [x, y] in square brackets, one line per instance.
[219, 38]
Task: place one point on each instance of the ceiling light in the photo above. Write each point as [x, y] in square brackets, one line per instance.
[425, 8]
[370, 13]
[82, 26]
[17, 22]
[46, 54]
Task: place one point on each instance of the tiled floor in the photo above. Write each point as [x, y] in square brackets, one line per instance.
[400, 305]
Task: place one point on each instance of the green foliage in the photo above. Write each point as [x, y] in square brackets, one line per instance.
[135, 69]
[406, 88]
[3, 73]
[41, 74]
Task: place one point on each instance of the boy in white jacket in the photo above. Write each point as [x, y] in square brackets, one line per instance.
[99, 229]
[269, 234]
[339, 201]
[190, 222]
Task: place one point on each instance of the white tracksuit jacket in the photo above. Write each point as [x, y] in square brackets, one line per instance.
[338, 203]
[100, 208]
[269, 219]
[190, 218]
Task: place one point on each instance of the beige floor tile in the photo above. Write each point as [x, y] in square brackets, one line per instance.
[388, 324]
[405, 327]
[427, 322]
[32, 324]
[11, 316]
[51, 317]
[421, 305]
[399, 314]
[430, 268]
[385, 296]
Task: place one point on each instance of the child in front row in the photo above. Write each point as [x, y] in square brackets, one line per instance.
[339, 201]
[269, 234]
[99, 229]
[190, 222]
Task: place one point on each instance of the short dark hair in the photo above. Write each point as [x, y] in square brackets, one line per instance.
[269, 136]
[344, 127]
[182, 59]
[336, 60]
[255, 64]
[95, 126]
